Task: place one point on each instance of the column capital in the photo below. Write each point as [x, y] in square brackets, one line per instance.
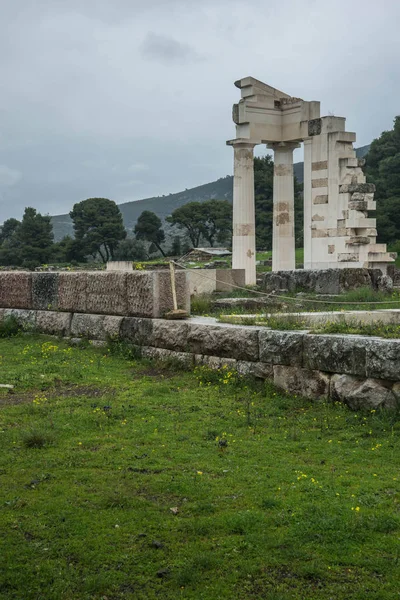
[243, 143]
[283, 146]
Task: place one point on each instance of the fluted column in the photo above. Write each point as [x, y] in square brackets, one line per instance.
[244, 230]
[283, 241]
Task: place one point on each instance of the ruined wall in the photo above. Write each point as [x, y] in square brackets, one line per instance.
[145, 294]
[362, 371]
[326, 281]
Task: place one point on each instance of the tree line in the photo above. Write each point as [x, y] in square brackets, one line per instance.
[99, 232]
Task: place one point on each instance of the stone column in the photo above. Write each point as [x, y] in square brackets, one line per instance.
[283, 247]
[244, 234]
[307, 199]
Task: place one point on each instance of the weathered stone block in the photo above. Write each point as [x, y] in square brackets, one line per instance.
[351, 279]
[25, 318]
[15, 289]
[97, 327]
[72, 292]
[184, 358]
[362, 393]
[281, 347]
[141, 294]
[362, 188]
[45, 291]
[302, 382]
[321, 199]
[170, 334]
[260, 370]
[53, 323]
[226, 279]
[163, 292]
[138, 331]
[232, 342]
[335, 354]
[383, 359]
[106, 293]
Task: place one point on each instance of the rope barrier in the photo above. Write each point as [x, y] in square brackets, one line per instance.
[268, 295]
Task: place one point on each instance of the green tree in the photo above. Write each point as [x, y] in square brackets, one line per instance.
[7, 229]
[217, 221]
[148, 227]
[189, 217]
[130, 249]
[32, 239]
[383, 169]
[68, 250]
[98, 226]
[176, 248]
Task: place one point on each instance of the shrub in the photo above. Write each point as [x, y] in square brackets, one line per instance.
[36, 438]
[9, 327]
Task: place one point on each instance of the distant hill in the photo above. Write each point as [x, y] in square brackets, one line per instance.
[164, 205]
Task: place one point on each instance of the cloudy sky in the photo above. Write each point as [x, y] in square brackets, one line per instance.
[129, 99]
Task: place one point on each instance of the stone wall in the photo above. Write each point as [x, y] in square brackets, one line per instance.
[139, 293]
[328, 281]
[363, 372]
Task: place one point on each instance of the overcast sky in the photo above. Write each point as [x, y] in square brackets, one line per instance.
[132, 98]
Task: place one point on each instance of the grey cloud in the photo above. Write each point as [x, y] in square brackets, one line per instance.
[9, 177]
[167, 50]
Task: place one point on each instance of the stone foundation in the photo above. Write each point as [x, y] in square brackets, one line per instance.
[328, 281]
[363, 372]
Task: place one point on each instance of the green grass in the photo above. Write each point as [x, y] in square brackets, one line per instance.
[272, 496]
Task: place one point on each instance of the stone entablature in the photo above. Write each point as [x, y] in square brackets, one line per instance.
[339, 233]
[362, 371]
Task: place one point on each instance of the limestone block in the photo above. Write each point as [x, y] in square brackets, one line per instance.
[98, 327]
[15, 289]
[25, 318]
[171, 335]
[163, 292]
[302, 382]
[260, 370]
[45, 291]
[319, 183]
[137, 331]
[230, 341]
[361, 394]
[119, 265]
[385, 284]
[336, 353]
[351, 279]
[201, 281]
[184, 358]
[107, 293]
[281, 347]
[141, 294]
[327, 281]
[358, 204]
[383, 359]
[396, 392]
[72, 291]
[226, 277]
[53, 323]
[321, 199]
[351, 188]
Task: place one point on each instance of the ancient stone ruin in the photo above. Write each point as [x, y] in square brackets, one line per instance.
[338, 233]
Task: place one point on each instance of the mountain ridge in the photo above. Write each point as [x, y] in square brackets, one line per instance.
[222, 189]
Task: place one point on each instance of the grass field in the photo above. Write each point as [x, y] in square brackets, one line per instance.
[122, 479]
